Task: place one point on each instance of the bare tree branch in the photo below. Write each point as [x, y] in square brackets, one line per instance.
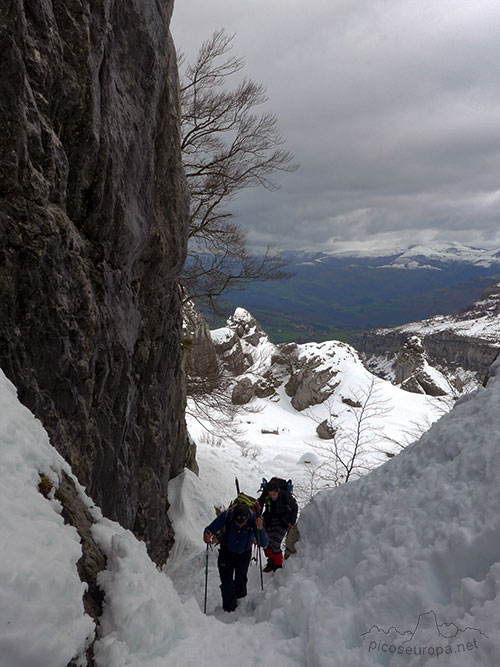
[226, 148]
[347, 455]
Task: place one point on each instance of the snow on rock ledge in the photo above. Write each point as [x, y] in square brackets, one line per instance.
[42, 619]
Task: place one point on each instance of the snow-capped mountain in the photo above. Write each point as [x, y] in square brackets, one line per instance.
[480, 320]
[433, 256]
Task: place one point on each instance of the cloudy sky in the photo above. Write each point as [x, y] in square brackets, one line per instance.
[391, 107]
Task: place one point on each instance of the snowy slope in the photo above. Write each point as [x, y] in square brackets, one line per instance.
[42, 621]
[413, 546]
[419, 534]
[480, 320]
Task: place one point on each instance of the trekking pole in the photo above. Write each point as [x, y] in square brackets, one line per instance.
[206, 581]
[260, 561]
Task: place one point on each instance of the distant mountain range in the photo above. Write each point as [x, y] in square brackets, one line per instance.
[332, 295]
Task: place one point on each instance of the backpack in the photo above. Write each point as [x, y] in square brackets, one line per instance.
[241, 499]
[286, 485]
[248, 501]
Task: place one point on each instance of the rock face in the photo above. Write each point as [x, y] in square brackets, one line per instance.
[413, 372]
[244, 349]
[312, 380]
[93, 219]
[229, 349]
[200, 357]
[468, 341]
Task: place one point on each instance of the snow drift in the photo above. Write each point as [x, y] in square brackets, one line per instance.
[401, 567]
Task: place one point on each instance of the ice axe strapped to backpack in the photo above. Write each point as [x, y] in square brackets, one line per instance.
[254, 506]
[242, 502]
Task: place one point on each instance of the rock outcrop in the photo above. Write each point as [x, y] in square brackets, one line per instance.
[413, 372]
[229, 349]
[312, 380]
[93, 217]
[325, 430]
[246, 354]
[200, 356]
[468, 342]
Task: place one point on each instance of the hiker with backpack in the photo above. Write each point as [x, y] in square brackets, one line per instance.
[238, 527]
[280, 514]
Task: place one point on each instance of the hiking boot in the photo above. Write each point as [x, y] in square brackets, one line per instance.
[269, 568]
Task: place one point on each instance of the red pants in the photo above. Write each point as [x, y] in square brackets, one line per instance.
[274, 558]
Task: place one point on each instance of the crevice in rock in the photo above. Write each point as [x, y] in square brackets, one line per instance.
[93, 561]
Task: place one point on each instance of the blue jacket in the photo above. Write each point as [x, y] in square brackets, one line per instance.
[236, 539]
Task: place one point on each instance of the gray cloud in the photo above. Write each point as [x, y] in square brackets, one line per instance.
[392, 108]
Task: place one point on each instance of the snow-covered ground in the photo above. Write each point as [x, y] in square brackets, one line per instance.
[276, 439]
[400, 567]
[481, 320]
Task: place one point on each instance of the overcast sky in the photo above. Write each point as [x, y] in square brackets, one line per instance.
[391, 107]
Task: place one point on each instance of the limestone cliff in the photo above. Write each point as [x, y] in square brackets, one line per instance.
[93, 216]
[468, 342]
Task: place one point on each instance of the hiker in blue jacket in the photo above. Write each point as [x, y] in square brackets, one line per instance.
[239, 528]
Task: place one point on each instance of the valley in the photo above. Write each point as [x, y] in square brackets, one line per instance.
[336, 296]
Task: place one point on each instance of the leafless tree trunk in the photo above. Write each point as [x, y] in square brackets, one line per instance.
[226, 148]
[347, 455]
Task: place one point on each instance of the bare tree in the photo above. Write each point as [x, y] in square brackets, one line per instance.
[415, 429]
[208, 383]
[312, 482]
[348, 453]
[226, 148]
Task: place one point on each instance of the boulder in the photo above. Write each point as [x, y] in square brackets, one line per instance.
[352, 403]
[325, 431]
[243, 392]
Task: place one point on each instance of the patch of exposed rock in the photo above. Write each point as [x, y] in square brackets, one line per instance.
[325, 431]
[199, 352]
[312, 380]
[413, 372]
[229, 349]
[246, 327]
[245, 352]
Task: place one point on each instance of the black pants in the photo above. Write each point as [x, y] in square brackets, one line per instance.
[233, 570]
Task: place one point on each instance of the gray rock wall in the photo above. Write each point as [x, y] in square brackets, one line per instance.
[93, 216]
[445, 349]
